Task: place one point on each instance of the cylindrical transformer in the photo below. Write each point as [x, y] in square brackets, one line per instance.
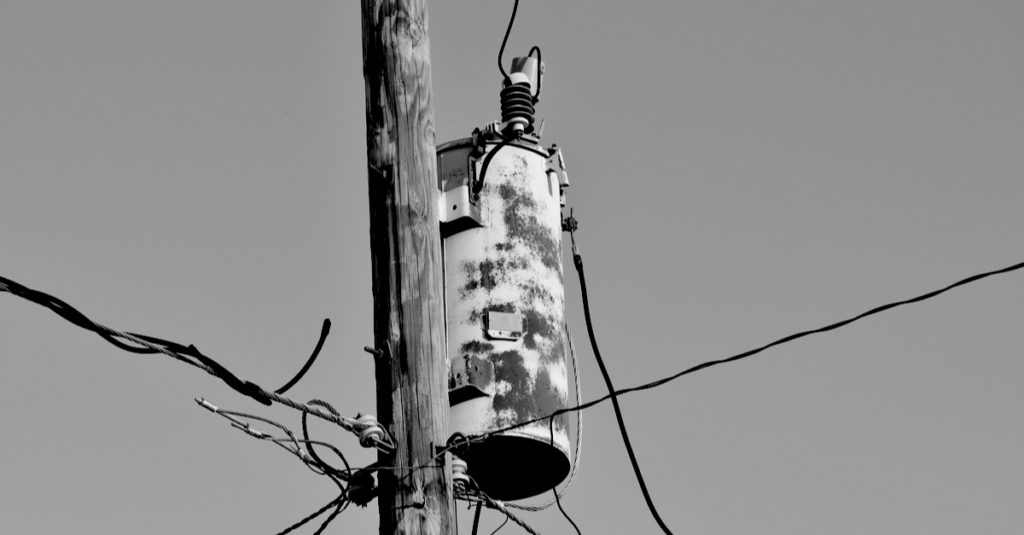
[507, 337]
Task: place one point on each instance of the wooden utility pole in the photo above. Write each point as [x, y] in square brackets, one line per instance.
[405, 246]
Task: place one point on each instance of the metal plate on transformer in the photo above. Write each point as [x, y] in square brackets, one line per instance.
[504, 325]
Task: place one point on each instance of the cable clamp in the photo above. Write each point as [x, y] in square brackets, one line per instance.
[570, 224]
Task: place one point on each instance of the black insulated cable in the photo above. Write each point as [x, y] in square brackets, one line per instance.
[497, 529]
[333, 503]
[479, 186]
[752, 352]
[830, 327]
[540, 71]
[501, 51]
[476, 517]
[324, 331]
[326, 467]
[578, 260]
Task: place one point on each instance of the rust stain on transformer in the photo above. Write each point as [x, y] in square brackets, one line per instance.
[526, 228]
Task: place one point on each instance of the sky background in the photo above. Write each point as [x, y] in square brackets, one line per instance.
[195, 170]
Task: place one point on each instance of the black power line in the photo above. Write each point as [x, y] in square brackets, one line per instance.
[497, 529]
[337, 502]
[508, 30]
[144, 344]
[613, 395]
[826, 328]
[752, 352]
[558, 499]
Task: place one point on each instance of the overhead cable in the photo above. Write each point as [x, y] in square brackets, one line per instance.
[143, 344]
[338, 503]
[497, 529]
[752, 352]
[577, 454]
[508, 30]
[578, 260]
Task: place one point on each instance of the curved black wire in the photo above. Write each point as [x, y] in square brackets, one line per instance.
[189, 354]
[540, 77]
[830, 327]
[578, 260]
[558, 499]
[330, 470]
[69, 313]
[479, 186]
[324, 331]
[501, 51]
[324, 465]
[497, 529]
[476, 517]
[337, 502]
[341, 507]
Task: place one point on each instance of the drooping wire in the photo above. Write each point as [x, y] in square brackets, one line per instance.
[752, 352]
[472, 492]
[479, 496]
[497, 529]
[508, 30]
[290, 443]
[476, 518]
[324, 331]
[72, 315]
[499, 506]
[340, 503]
[143, 344]
[829, 327]
[558, 499]
[578, 451]
[337, 511]
[578, 260]
[479, 186]
[337, 502]
[312, 451]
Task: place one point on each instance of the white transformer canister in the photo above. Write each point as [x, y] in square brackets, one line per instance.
[507, 340]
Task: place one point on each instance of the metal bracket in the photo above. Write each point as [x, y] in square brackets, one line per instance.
[556, 165]
[459, 212]
[457, 208]
[467, 378]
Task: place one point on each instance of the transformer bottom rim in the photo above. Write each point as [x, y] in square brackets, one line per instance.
[514, 467]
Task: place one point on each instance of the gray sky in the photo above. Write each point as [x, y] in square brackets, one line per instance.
[195, 170]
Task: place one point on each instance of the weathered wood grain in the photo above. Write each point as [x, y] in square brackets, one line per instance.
[405, 245]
